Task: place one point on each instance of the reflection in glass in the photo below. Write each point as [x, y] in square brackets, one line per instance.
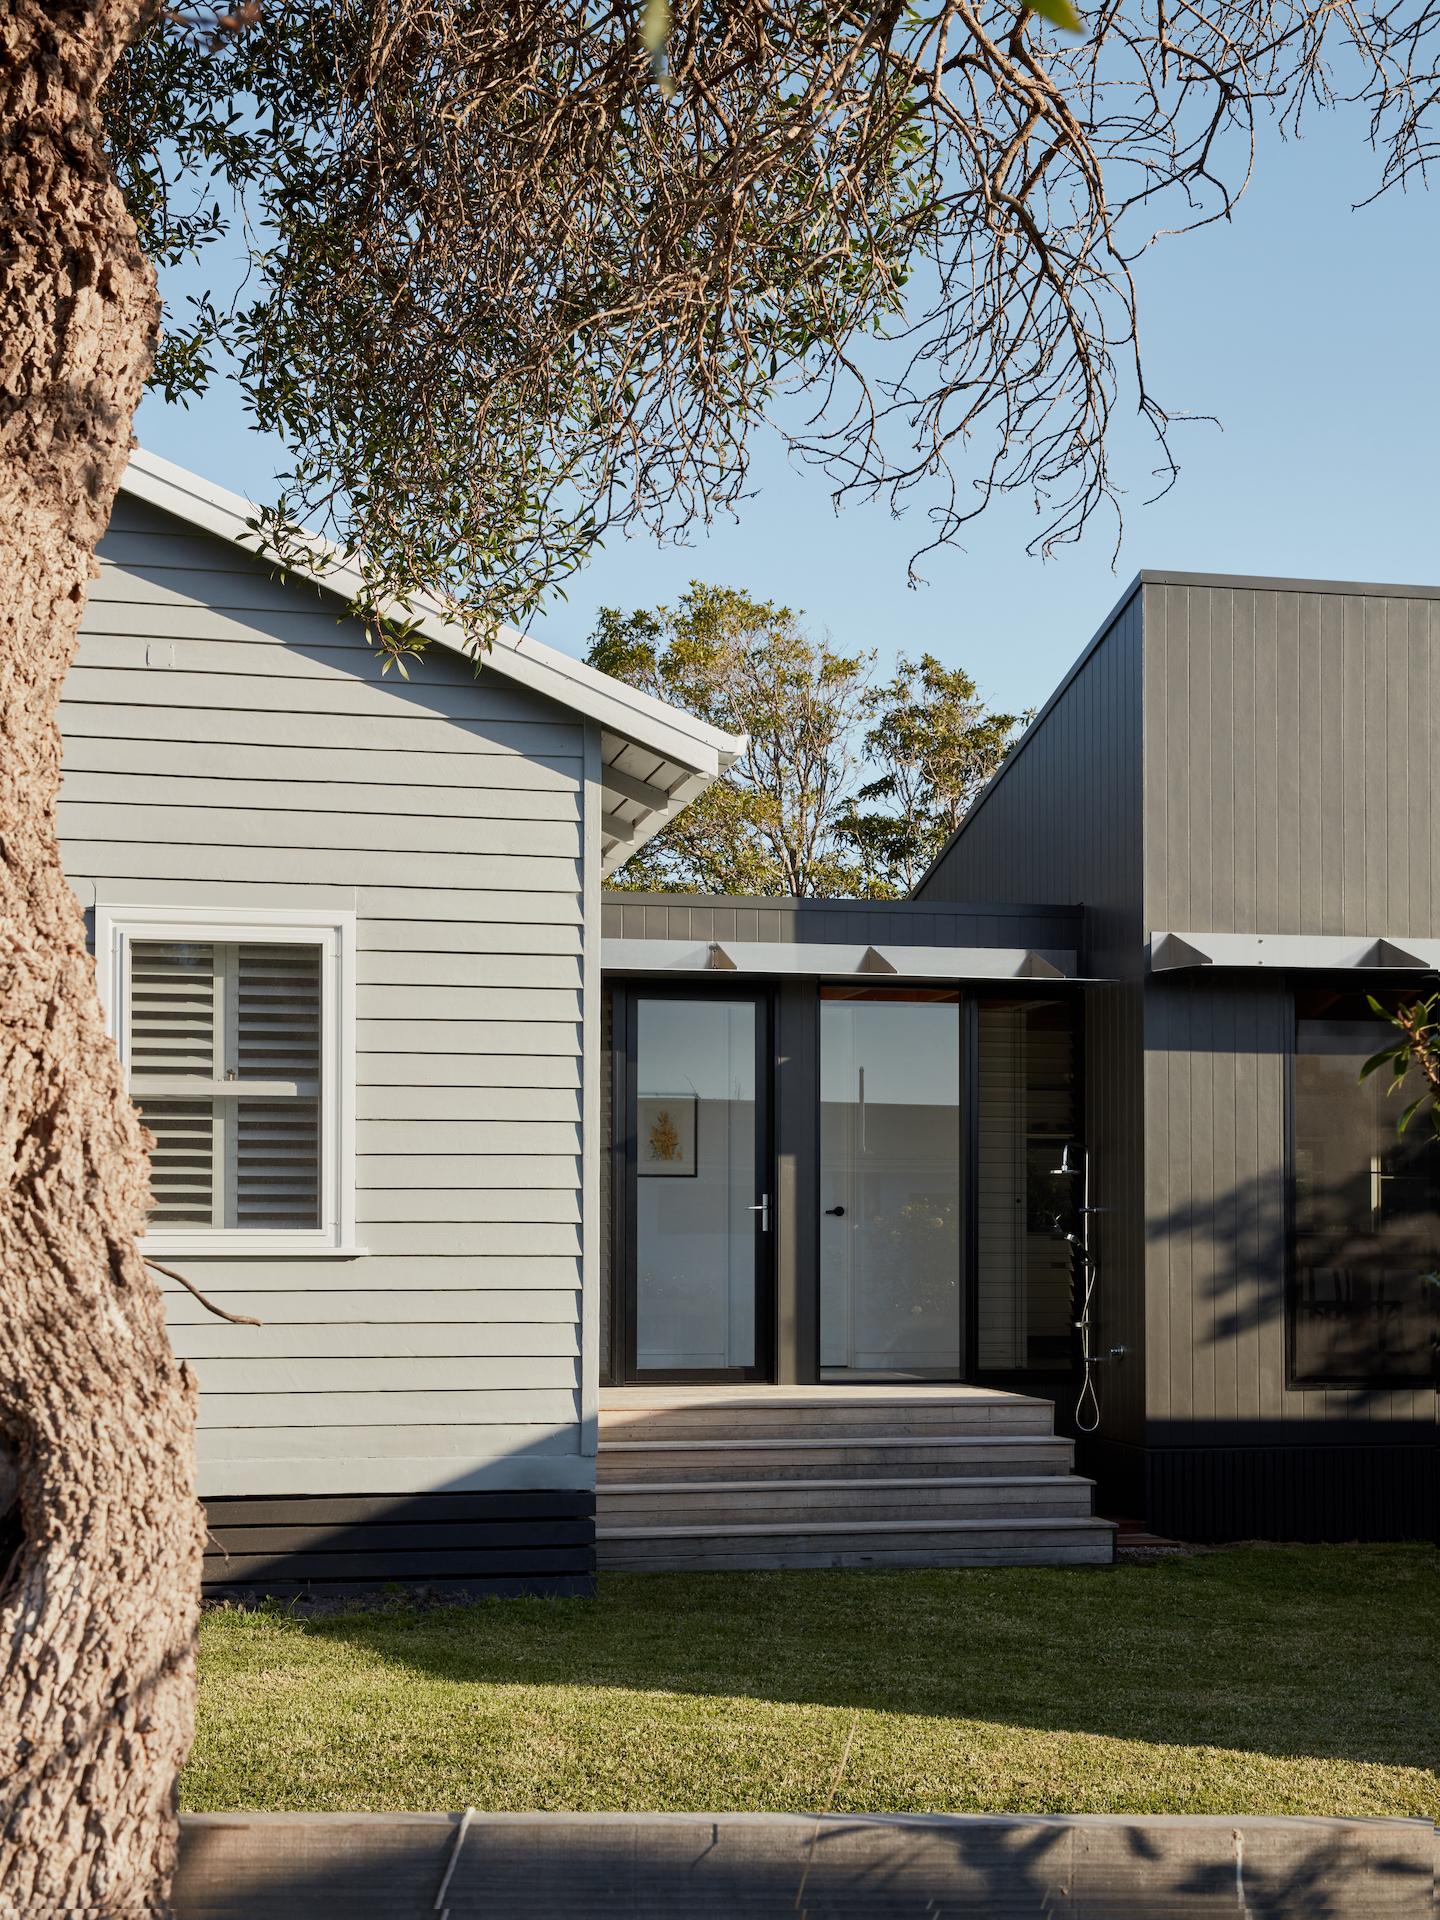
[1023, 1207]
[1367, 1206]
[890, 1188]
[695, 1186]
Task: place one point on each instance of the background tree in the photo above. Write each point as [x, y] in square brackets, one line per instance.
[775, 822]
[516, 274]
[846, 788]
[932, 743]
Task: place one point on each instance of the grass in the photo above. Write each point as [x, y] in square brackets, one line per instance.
[1253, 1680]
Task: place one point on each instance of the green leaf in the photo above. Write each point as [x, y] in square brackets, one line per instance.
[1059, 13]
[1409, 1114]
[1385, 1057]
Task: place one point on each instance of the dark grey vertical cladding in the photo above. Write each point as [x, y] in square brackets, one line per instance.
[1289, 759]
[1063, 821]
[1215, 1203]
[1289, 742]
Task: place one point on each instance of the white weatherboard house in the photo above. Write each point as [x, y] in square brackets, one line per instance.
[347, 934]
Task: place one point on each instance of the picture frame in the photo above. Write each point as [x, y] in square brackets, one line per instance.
[665, 1134]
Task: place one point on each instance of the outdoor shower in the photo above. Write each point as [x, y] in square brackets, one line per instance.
[1087, 1406]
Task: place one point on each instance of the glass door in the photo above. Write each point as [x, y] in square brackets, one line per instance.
[890, 1190]
[699, 1240]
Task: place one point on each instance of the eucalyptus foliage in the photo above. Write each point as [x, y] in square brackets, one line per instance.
[846, 787]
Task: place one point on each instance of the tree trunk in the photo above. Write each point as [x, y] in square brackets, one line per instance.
[98, 1604]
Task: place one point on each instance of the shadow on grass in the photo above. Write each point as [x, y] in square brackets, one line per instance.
[1289, 1652]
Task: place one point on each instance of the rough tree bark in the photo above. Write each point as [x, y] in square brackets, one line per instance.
[98, 1604]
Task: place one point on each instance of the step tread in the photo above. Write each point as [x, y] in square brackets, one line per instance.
[991, 1439]
[938, 1482]
[647, 1399]
[800, 1529]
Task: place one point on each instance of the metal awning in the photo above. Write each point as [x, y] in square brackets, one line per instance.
[814, 960]
[1309, 952]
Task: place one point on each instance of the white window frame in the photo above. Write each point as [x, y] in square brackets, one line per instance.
[332, 930]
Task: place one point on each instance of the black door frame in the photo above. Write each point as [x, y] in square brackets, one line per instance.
[624, 1251]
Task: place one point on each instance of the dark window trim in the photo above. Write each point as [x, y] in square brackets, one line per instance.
[623, 1279]
[1296, 1381]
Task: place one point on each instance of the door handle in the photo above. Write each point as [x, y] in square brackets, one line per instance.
[762, 1207]
[839, 1212]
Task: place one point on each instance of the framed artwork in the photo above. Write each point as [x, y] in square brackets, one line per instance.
[665, 1134]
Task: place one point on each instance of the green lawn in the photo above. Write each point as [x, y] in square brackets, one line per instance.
[1254, 1680]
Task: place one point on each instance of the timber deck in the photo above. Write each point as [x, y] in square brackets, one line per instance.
[742, 1477]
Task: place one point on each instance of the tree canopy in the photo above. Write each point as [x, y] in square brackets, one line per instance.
[847, 787]
[515, 275]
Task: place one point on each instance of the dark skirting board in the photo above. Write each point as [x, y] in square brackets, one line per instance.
[501, 1542]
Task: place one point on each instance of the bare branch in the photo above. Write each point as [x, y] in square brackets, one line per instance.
[507, 291]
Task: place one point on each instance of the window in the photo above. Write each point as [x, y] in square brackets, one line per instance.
[236, 1036]
[1366, 1208]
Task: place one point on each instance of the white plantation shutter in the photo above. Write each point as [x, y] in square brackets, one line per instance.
[277, 1021]
[277, 1039]
[182, 1162]
[277, 1163]
[172, 1008]
[225, 1054]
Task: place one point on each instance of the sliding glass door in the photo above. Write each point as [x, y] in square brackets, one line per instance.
[700, 1209]
[891, 1301]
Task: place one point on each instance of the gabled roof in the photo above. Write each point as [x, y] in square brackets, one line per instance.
[656, 759]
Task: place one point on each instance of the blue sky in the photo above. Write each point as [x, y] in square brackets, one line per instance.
[1309, 329]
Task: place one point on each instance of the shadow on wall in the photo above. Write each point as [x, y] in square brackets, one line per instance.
[1362, 1251]
[509, 1867]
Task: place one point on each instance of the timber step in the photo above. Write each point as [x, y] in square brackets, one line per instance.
[840, 1457]
[833, 1502]
[857, 1543]
[905, 1476]
[799, 1420]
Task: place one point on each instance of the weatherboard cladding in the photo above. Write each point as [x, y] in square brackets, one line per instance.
[229, 741]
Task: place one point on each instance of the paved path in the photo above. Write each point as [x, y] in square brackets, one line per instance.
[744, 1866]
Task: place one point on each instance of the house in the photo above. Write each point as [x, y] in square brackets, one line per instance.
[1147, 957]
[775, 1217]
[347, 933]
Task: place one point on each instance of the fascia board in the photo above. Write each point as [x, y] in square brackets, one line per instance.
[823, 961]
[650, 723]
